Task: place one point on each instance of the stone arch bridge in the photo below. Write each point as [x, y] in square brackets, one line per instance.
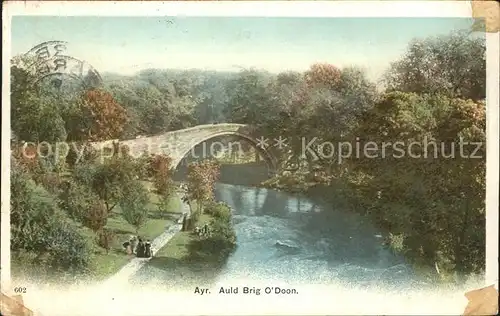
[177, 144]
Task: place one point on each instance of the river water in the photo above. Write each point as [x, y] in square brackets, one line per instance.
[293, 239]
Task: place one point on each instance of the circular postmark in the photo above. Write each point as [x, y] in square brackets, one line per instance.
[49, 64]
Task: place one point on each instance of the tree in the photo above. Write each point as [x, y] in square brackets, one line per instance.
[454, 65]
[35, 114]
[247, 97]
[323, 75]
[134, 205]
[159, 169]
[105, 239]
[96, 116]
[201, 178]
[83, 205]
[324, 105]
[112, 179]
[426, 197]
[97, 216]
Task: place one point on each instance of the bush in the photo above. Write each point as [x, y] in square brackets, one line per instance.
[69, 250]
[84, 173]
[218, 210]
[52, 182]
[221, 241]
[42, 231]
[223, 233]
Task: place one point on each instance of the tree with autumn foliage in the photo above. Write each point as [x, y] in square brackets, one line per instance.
[201, 178]
[159, 169]
[323, 74]
[96, 116]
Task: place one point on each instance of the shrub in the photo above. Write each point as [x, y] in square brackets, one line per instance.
[77, 199]
[221, 241]
[52, 182]
[82, 205]
[218, 210]
[42, 231]
[69, 250]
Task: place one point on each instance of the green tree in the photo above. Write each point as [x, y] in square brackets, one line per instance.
[453, 64]
[427, 197]
[134, 205]
[247, 97]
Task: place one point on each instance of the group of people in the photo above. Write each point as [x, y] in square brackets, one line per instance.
[142, 249]
[203, 231]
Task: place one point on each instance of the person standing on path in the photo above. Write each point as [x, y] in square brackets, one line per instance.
[147, 250]
[133, 243]
[184, 222]
[140, 249]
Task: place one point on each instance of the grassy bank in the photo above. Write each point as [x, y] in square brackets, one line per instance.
[175, 257]
[192, 260]
[105, 263]
[108, 263]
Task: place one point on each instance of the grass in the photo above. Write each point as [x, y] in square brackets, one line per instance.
[174, 257]
[177, 247]
[108, 263]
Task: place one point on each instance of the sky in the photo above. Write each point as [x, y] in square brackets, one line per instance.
[126, 45]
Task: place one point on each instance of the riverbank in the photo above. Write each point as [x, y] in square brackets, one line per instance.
[157, 243]
[109, 262]
[189, 259]
[175, 257]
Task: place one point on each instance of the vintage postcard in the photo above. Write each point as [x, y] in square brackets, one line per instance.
[249, 158]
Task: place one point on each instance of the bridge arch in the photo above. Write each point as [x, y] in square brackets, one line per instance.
[177, 144]
[267, 156]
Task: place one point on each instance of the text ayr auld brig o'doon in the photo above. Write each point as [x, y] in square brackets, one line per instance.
[247, 290]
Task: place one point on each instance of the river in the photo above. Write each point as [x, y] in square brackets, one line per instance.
[293, 239]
